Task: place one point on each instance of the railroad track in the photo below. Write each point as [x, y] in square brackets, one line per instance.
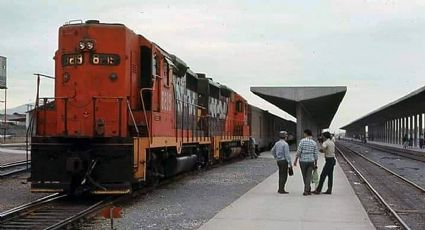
[51, 212]
[403, 198]
[58, 211]
[14, 168]
[408, 153]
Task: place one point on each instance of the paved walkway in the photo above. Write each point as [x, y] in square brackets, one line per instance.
[263, 208]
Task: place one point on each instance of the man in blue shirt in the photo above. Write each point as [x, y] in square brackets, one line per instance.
[280, 152]
[307, 153]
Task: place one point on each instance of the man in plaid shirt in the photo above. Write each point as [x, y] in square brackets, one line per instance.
[307, 153]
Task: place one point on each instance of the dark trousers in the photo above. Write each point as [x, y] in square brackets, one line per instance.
[252, 153]
[283, 174]
[306, 171]
[327, 171]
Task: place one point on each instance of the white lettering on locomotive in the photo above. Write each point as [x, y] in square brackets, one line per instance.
[166, 100]
[217, 108]
[186, 99]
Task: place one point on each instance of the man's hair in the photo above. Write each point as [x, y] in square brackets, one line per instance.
[308, 132]
[327, 135]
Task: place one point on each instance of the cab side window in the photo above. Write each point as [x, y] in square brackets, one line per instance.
[239, 106]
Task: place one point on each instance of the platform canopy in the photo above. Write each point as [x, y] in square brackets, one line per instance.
[313, 107]
[409, 105]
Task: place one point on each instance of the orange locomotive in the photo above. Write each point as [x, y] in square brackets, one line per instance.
[126, 112]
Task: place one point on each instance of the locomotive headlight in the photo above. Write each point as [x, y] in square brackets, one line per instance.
[82, 45]
[113, 76]
[90, 45]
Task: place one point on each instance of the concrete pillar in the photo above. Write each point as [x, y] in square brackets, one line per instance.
[304, 121]
[395, 131]
[391, 132]
[299, 123]
[411, 126]
[376, 130]
[382, 129]
[421, 124]
[396, 126]
[388, 132]
[405, 126]
[385, 132]
[416, 130]
[399, 130]
[401, 127]
[370, 132]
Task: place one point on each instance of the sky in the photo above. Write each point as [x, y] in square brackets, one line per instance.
[375, 48]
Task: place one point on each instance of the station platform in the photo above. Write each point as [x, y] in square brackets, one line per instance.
[263, 208]
[396, 146]
[414, 148]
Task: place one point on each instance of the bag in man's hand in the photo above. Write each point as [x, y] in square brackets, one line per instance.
[315, 178]
[290, 171]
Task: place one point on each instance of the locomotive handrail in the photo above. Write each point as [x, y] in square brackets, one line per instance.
[132, 118]
[45, 99]
[103, 97]
[144, 112]
[45, 102]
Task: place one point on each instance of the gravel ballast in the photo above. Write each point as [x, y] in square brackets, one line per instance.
[15, 191]
[191, 201]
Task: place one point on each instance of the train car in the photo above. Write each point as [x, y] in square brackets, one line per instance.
[277, 124]
[125, 113]
[265, 128]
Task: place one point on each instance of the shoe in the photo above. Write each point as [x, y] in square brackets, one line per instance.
[282, 192]
[328, 192]
[305, 194]
[316, 192]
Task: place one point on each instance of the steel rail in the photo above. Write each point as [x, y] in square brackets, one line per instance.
[91, 209]
[374, 191]
[399, 152]
[388, 170]
[8, 167]
[12, 164]
[23, 211]
[7, 215]
[416, 155]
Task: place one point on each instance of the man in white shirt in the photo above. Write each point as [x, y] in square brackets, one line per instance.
[328, 148]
